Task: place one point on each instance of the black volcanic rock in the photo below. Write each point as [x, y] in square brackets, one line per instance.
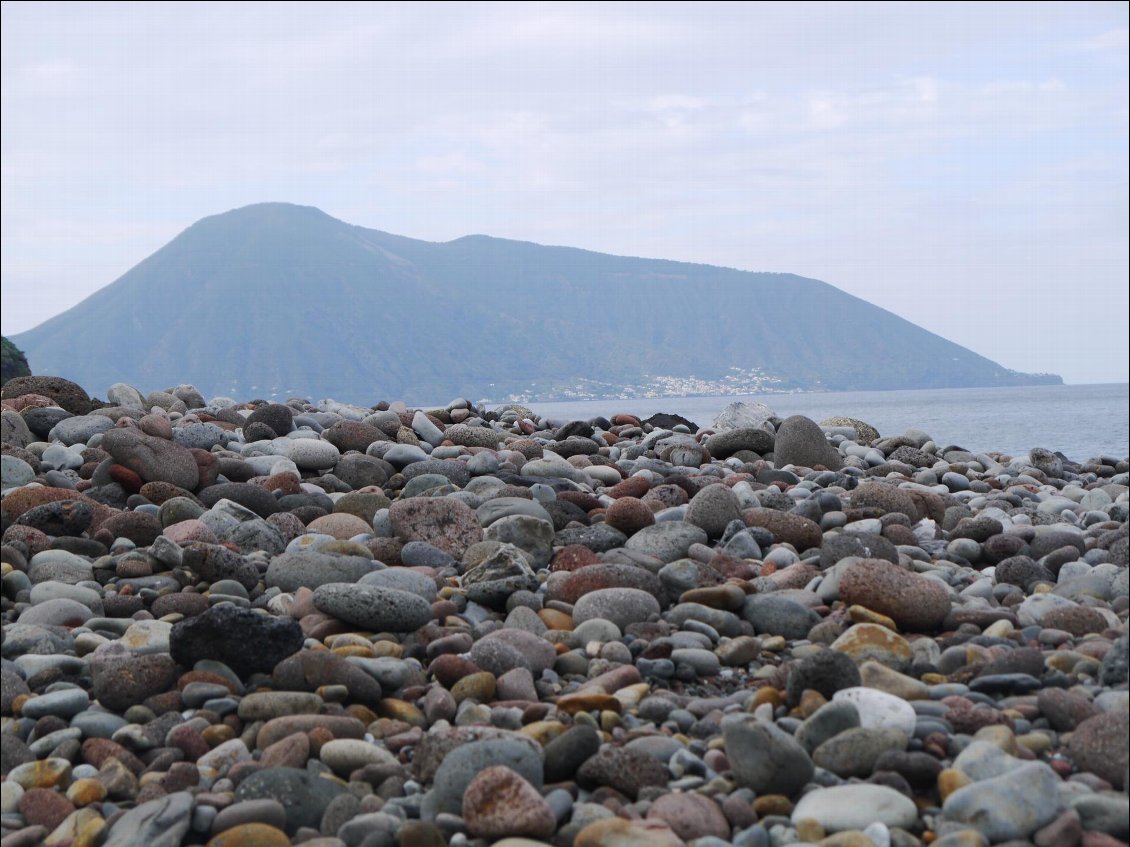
[663, 420]
[245, 641]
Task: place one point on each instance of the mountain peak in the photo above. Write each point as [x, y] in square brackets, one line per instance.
[278, 299]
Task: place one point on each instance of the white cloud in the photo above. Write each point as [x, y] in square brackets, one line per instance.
[1113, 40]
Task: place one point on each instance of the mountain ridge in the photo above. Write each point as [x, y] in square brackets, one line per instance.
[286, 299]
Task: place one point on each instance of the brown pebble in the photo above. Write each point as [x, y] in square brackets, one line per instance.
[44, 807]
[336, 726]
[498, 802]
[316, 737]
[739, 812]
[691, 815]
[217, 734]
[83, 792]
[766, 694]
[477, 686]
[587, 701]
[180, 777]
[419, 834]
[251, 835]
[289, 752]
[949, 780]
[362, 713]
[729, 596]
[188, 738]
[772, 804]
[810, 701]
[402, 710]
[624, 833]
[808, 829]
[555, 619]
[861, 614]
[571, 557]
[96, 751]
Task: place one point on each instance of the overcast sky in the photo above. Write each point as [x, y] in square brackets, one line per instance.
[962, 165]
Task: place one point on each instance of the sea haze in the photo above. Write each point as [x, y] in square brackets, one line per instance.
[1081, 421]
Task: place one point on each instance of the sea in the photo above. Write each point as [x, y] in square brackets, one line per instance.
[1079, 421]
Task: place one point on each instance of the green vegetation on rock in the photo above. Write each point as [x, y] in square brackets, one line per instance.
[13, 362]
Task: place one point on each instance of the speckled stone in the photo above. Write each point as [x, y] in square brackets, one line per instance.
[916, 603]
[373, 607]
[498, 802]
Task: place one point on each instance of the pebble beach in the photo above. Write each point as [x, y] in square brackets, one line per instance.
[250, 623]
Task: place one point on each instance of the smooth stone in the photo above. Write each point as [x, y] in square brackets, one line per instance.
[625, 770]
[265, 705]
[250, 835]
[691, 816]
[97, 724]
[617, 832]
[868, 641]
[879, 710]
[765, 758]
[565, 754]
[373, 607]
[1099, 744]
[402, 579]
[667, 541]
[250, 811]
[801, 441]
[771, 614]
[983, 759]
[506, 649]
[532, 535]
[60, 611]
[704, 662]
[1012, 805]
[1107, 813]
[462, 764]
[14, 472]
[49, 742]
[346, 755]
[304, 794]
[852, 807]
[621, 606]
[828, 721]
[500, 507]
[916, 603]
[153, 459]
[158, 823]
[308, 454]
[854, 752]
[64, 704]
[499, 802]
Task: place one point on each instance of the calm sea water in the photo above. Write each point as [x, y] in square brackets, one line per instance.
[1081, 421]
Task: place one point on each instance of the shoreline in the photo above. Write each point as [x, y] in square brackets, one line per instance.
[331, 624]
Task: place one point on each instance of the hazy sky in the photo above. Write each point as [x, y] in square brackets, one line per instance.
[962, 165]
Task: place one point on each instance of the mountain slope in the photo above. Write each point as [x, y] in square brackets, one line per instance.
[281, 299]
